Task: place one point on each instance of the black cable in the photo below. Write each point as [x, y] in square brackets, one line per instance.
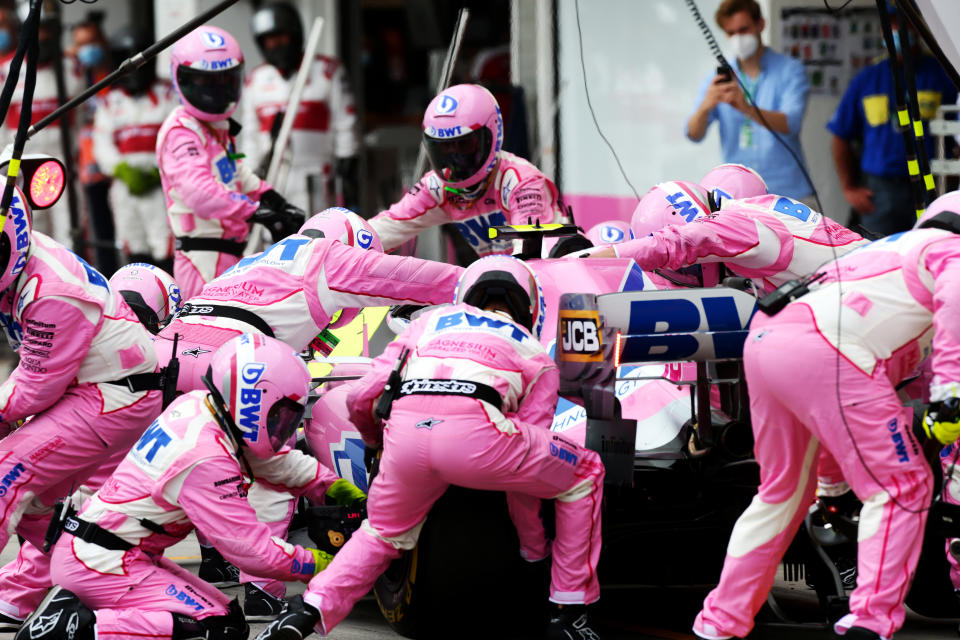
[837, 9]
[586, 90]
[925, 187]
[722, 61]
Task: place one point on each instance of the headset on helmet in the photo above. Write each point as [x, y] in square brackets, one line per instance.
[508, 280]
[150, 291]
[943, 213]
[338, 223]
[462, 134]
[206, 67]
[260, 386]
[276, 18]
[732, 182]
[670, 203]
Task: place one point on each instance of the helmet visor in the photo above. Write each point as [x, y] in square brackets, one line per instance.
[282, 421]
[211, 91]
[499, 287]
[457, 159]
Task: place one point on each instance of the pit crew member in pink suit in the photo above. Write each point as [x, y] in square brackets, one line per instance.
[82, 353]
[492, 391]
[770, 239]
[899, 297]
[190, 469]
[153, 296]
[473, 184]
[211, 194]
[293, 289]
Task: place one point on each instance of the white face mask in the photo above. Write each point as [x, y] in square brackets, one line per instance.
[744, 45]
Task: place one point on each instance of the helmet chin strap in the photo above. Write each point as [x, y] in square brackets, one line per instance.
[217, 407]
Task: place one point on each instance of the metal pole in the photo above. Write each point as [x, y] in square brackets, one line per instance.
[309, 54]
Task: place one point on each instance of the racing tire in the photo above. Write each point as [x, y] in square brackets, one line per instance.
[465, 573]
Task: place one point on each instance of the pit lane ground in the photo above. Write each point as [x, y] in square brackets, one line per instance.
[642, 613]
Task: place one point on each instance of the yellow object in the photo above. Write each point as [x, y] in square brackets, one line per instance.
[928, 182]
[14, 167]
[913, 167]
[526, 227]
[918, 129]
[929, 102]
[351, 338]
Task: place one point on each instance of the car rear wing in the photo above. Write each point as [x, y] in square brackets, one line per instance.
[597, 334]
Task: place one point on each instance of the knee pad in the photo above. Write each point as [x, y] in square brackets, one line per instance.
[232, 626]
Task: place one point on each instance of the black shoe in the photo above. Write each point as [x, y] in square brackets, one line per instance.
[296, 623]
[859, 633]
[569, 622]
[61, 616]
[8, 623]
[258, 605]
[215, 569]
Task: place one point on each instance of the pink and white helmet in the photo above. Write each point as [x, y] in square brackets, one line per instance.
[505, 279]
[669, 203]
[943, 213]
[732, 182]
[462, 134]
[338, 223]
[263, 385]
[609, 232]
[206, 67]
[150, 291]
[15, 240]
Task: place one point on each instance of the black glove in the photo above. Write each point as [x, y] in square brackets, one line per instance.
[278, 215]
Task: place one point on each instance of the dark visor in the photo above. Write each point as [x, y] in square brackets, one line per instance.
[499, 286]
[456, 159]
[282, 421]
[211, 91]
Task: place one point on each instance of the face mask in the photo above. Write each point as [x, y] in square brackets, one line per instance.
[5, 40]
[90, 55]
[744, 45]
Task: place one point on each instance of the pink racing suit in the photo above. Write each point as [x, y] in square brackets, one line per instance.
[516, 193]
[182, 473]
[74, 337]
[125, 130]
[431, 442]
[210, 195]
[771, 239]
[294, 287]
[822, 375]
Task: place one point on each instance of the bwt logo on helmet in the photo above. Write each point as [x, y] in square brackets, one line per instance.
[684, 206]
[580, 337]
[248, 418]
[611, 234]
[447, 132]
[364, 239]
[447, 105]
[213, 40]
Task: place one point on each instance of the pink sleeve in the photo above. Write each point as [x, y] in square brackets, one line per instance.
[295, 472]
[723, 236]
[56, 337]
[943, 261]
[186, 166]
[356, 278]
[418, 209]
[364, 393]
[539, 404]
[530, 200]
[223, 515]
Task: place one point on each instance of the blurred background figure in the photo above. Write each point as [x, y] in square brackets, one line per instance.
[55, 221]
[321, 154]
[92, 60]
[126, 125]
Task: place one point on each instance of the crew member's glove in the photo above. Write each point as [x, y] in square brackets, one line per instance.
[320, 559]
[941, 421]
[344, 492]
[139, 181]
[278, 215]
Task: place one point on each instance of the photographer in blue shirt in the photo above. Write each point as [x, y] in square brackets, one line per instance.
[778, 86]
[880, 190]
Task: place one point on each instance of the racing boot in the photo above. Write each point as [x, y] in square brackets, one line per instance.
[61, 616]
[258, 605]
[9, 623]
[859, 633]
[569, 622]
[295, 624]
[215, 569]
